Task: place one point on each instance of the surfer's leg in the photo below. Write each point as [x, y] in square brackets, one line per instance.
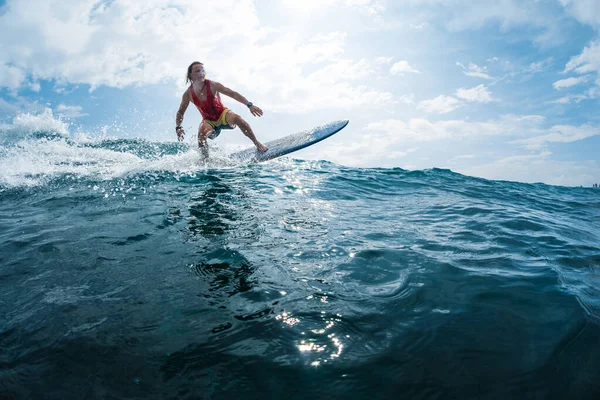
[204, 130]
[234, 119]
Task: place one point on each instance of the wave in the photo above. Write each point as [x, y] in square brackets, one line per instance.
[38, 149]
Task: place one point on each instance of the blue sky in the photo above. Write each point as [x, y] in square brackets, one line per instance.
[501, 89]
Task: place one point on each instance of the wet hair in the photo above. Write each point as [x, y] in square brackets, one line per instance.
[188, 77]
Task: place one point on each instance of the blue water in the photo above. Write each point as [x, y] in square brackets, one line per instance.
[130, 270]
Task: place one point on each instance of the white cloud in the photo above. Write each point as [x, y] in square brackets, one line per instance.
[383, 60]
[419, 26]
[594, 93]
[337, 96]
[422, 130]
[571, 98]
[340, 71]
[306, 8]
[475, 71]
[539, 66]
[35, 86]
[586, 11]
[568, 82]
[560, 134]
[402, 67]
[117, 43]
[366, 148]
[463, 157]
[11, 77]
[8, 107]
[407, 99]
[528, 130]
[372, 7]
[479, 94]
[379, 139]
[562, 100]
[543, 25]
[122, 43]
[474, 14]
[537, 167]
[376, 8]
[540, 20]
[70, 111]
[441, 104]
[587, 61]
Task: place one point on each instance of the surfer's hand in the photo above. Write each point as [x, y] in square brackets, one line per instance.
[256, 111]
[180, 134]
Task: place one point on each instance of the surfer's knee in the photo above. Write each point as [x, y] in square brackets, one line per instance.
[204, 131]
[203, 135]
[244, 126]
[237, 120]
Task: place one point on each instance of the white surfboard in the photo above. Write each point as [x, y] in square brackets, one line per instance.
[289, 144]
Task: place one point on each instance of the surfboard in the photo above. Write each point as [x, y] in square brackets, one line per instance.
[291, 143]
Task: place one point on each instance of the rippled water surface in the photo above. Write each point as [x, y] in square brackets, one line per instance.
[127, 270]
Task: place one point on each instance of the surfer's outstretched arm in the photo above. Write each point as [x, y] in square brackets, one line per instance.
[185, 102]
[254, 110]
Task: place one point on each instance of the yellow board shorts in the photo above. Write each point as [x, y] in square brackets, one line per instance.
[219, 124]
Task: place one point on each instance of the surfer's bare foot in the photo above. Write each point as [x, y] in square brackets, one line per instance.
[261, 147]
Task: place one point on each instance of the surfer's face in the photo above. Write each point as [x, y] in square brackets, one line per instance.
[198, 72]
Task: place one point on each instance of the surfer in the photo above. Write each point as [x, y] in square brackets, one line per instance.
[215, 117]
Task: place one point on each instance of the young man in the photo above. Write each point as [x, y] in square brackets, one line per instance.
[205, 96]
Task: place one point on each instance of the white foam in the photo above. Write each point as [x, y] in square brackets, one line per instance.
[32, 160]
[44, 122]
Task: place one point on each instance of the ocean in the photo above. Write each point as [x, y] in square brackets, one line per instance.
[129, 270]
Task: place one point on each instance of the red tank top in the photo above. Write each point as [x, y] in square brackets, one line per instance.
[211, 108]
